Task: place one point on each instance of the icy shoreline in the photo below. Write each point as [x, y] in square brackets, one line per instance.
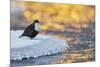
[39, 46]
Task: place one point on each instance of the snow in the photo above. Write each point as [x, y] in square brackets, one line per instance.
[39, 46]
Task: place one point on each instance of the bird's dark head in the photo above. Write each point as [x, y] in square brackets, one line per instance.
[36, 21]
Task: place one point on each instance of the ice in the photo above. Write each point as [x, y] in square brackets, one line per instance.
[39, 46]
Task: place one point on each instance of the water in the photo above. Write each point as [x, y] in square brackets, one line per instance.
[50, 59]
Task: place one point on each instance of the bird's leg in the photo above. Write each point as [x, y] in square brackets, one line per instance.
[20, 36]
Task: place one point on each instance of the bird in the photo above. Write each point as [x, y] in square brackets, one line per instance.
[32, 30]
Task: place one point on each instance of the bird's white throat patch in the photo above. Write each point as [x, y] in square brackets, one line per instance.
[37, 27]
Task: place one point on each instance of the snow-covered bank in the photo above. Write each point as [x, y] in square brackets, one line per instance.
[39, 46]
